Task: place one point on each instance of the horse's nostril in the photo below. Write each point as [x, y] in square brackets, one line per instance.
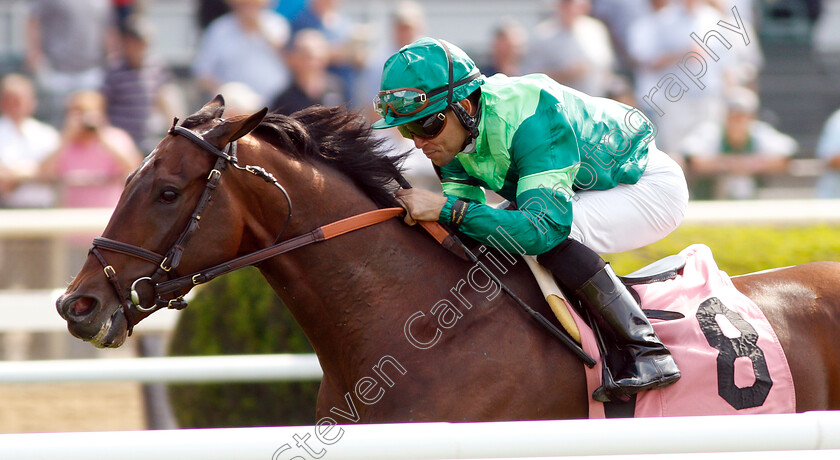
[82, 306]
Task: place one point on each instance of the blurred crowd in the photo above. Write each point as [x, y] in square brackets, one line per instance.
[91, 100]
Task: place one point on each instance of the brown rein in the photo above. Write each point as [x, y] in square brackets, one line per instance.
[318, 235]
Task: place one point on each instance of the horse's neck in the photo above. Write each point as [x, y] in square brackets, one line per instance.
[330, 286]
[347, 294]
[353, 295]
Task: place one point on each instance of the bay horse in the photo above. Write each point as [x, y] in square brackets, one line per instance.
[404, 330]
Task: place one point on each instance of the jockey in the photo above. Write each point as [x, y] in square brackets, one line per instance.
[583, 171]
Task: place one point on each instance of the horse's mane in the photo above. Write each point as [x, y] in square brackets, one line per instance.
[340, 138]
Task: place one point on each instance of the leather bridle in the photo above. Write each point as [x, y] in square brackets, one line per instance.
[170, 261]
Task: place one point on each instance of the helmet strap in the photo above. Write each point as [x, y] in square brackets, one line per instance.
[469, 122]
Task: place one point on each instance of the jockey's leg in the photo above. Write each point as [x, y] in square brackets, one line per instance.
[582, 271]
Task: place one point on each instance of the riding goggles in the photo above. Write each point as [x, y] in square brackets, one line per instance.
[402, 102]
[425, 128]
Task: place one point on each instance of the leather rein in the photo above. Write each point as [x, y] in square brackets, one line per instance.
[162, 282]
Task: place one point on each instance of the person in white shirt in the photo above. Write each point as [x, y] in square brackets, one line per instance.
[725, 158]
[245, 45]
[573, 48]
[658, 43]
[26, 142]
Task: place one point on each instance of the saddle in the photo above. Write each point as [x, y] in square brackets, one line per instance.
[664, 269]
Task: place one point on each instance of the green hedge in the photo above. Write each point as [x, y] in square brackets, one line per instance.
[239, 314]
[740, 250]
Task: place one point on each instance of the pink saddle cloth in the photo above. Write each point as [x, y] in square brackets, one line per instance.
[730, 358]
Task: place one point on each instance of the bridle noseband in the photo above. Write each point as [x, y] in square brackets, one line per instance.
[170, 261]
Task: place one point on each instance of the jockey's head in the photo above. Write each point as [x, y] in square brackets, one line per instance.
[422, 80]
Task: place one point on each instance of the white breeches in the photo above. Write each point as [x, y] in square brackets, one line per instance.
[631, 216]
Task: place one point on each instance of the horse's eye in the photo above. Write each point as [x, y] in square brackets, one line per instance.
[168, 196]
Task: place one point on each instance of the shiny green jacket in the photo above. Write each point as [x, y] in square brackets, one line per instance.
[539, 143]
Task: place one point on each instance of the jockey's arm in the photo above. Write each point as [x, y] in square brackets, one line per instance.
[539, 224]
[542, 220]
[546, 168]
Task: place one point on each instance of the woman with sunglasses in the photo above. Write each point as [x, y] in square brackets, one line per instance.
[583, 172]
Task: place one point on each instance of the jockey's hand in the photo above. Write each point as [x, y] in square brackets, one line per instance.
[420, 204]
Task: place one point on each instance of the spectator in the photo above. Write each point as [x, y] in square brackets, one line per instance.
[724, 160]
[91, 164]
[311, 82]
[509, 41]
[244, 45]
[290, 8]
[138, 90]
[619, 16]
[347, 56]
[586, 59]
[619, 89]
[658, 42]
[66, 45]
[828, 150]
[26, 142]
[408, 23]
[123, 10]
[208, 11]
[747, 61]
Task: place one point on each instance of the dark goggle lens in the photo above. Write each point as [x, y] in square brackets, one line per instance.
[426, 128]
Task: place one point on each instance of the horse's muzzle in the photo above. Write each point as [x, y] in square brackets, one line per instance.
[87, 320]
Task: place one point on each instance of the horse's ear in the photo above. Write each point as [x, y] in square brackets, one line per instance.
[234, 128]
[214, 108]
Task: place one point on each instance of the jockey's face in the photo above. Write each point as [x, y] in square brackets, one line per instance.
[442, 148]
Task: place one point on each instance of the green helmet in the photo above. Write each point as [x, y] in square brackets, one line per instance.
[424, 78]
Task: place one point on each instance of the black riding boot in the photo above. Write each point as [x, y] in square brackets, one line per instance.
[649, 364]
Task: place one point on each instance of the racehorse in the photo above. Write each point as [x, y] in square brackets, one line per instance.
[403, 329]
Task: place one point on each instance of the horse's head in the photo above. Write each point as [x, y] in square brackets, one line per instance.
[156, 222]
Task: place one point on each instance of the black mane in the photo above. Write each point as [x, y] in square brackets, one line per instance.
[340, 138]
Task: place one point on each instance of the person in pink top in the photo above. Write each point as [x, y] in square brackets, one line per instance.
[94, 158]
